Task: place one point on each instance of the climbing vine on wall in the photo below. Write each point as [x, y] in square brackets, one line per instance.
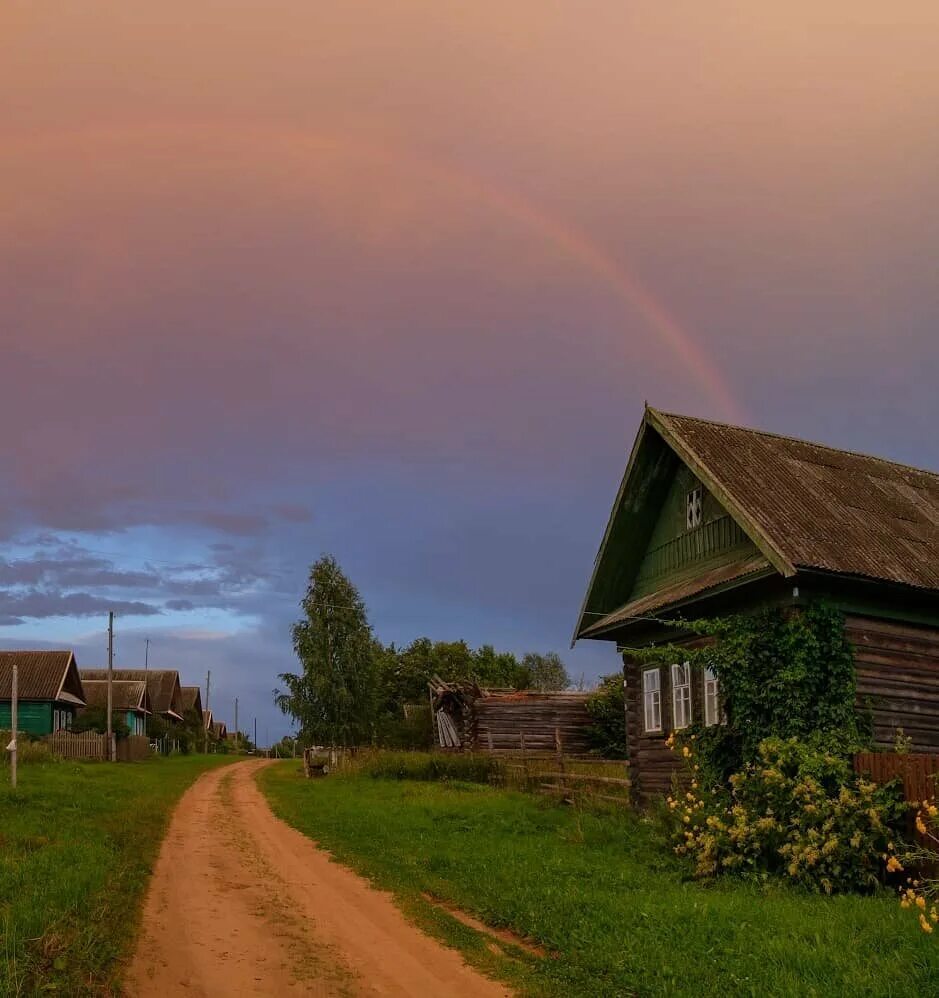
[781, 674]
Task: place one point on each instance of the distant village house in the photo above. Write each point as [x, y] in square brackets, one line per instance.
[49, 691]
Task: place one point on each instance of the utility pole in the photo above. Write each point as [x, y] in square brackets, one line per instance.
[110, 679]
[237, 737]
[13, 720]
[208, 683]
[146, 657]
[255, 734]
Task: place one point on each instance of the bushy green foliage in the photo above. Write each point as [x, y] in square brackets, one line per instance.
[414, 731]
[797, 810]
[607, 709]
[461, 767]
[781, 674]
[548, 672]
[28, 749]
[96, 719]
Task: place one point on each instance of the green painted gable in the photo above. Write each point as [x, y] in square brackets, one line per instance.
[674, 553]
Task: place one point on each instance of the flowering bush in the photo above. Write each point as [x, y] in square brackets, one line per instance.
[922, 895]
[796, 810]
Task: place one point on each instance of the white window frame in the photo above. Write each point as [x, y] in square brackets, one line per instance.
[652, 700]
[694, 508]
[712, 703]
[681, 695]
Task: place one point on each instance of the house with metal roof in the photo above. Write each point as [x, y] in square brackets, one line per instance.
[712, 520]
[163, 688]
[49, 690]
[129, 701]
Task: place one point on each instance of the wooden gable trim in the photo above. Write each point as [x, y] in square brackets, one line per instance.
[70, 665]
[618, 501]
[660, 422]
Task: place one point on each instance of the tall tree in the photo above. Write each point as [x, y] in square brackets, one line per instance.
[548, 672]
[333, 698]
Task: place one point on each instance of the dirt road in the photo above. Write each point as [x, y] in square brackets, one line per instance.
[241, 904]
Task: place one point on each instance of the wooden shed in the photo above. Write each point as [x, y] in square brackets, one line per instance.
[49, 690]
[713, 519]
[482, 720]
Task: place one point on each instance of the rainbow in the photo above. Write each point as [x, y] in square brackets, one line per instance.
[571, 241]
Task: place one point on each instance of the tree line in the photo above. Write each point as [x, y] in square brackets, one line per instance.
[351, 689]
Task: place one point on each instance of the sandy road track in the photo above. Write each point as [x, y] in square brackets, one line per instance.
[241, 904]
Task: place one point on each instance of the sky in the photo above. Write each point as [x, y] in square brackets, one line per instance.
[393, 280]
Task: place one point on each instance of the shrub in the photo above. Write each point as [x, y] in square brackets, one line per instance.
[431, 766]
[412, 732]
[28, 749]
[797, 810]
[607, 710]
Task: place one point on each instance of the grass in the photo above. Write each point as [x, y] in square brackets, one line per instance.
[77, 845]
[602, 893]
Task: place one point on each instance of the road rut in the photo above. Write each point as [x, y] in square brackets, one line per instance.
[242, 904]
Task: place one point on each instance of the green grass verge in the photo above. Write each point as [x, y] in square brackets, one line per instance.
[77, 845]
[603, 893]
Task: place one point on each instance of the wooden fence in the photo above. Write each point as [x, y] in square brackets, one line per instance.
[916, 770]
[87, 746]
[133, 748]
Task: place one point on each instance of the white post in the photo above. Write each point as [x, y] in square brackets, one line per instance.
[13, 722]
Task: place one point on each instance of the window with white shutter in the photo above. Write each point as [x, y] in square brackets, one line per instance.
[711, 702]
[681, 695]
[652, 699]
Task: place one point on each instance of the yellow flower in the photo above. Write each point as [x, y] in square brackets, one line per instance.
[924, 925]
[686, 752]
[904, 903]
[894, 865]
[921, 903]
[920, 826]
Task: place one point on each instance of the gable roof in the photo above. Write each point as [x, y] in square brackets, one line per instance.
[162, 686]
[806, 506]
[125, 694]
[190, 698]
[41, 675]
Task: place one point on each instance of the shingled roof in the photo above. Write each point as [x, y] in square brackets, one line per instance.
[806, 506]
[41, 675]
[162, 686]
[125, 694]
[190, 698]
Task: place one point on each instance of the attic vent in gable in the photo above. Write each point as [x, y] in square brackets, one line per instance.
[694, 508]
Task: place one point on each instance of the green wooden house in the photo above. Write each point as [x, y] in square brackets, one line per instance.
[49, 690]
[130, 701]
[712, 520]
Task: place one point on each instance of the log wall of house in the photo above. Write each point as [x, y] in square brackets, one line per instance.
[897, 683]
[898, 679]
[499, 721]
[651, 762]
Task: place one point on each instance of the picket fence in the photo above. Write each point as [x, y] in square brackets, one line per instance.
[86, 746]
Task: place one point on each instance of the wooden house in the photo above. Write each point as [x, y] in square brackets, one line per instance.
[190, 700]
[219, 731]
[129, 701]
[163, 689]
[713, 520]
[49, 690]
